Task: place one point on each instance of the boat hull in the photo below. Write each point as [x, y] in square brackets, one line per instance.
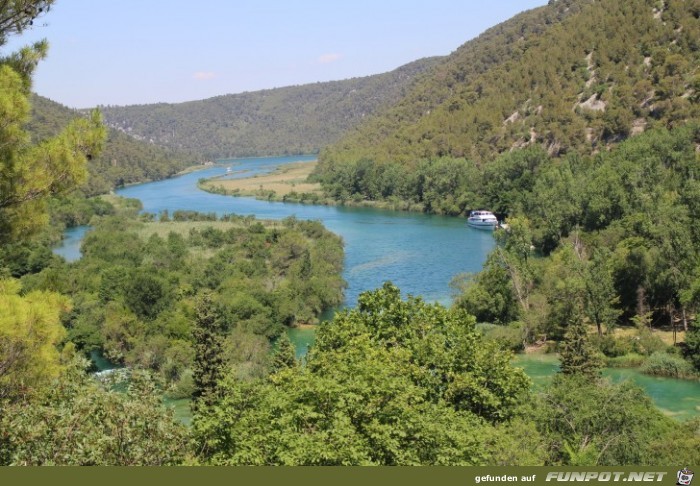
[487, 225]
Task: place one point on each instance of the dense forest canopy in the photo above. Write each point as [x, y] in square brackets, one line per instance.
[124, 160]
[570, 76]
[292, 120]
[134, 290]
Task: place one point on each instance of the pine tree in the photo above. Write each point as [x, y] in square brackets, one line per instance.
[30, 173]
[285, 355]
[209, 360]
[578, 357]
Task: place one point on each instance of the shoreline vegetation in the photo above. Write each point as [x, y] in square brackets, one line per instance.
[291, 184]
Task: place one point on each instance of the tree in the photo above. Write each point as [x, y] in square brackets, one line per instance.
[209, 359]
[29, 173]
[285, 355]
[600, 298]
[80, 421]
[590, 423]
[30, 331]
[147, 295]
[514, 259]
[578, 356]
[692, 344]
[391, 382]
[18, 15]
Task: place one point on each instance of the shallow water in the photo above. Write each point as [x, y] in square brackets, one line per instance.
[679, 399]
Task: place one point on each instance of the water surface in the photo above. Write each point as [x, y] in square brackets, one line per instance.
[679, 399]
[69, 248]
[419, 253]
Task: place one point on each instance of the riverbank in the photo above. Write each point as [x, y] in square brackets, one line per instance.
[290, 183]
[675, 397]
[195, 168]
[282, 182]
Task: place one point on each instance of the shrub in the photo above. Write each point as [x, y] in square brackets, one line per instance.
[647, 343]
[612, 346]
[508, 337]
[631, 360]
[664, 364]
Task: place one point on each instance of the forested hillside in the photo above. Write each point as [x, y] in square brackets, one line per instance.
[291, 120]
[124, 160]
[575, 75]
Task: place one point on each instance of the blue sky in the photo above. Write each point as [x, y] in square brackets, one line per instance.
[146, 51]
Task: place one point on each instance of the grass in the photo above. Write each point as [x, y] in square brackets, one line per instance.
[290, 184]
[282, 182]
[183, 227]
[663, 364]
[665, 335]
[631, 360]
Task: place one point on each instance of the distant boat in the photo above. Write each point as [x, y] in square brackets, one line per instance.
[482, 219]
[229, 170]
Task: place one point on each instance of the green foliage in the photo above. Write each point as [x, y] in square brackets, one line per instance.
[19, 15]
[377, 417]
[628, 251]
[209, 359]
[146, 295]
[578, 356]
[569, 76]
[508, 337]
[588, 423]
[75, 210]
[23, 258]
[488, 295]
[285, 355]
[137, 286]
[291, 120]
[692, 344]
[79, 421]
[124, 159]
[29, 174]
[392, 382]
[452, 359]
[664, 364]
[30, 331]
[631, 360]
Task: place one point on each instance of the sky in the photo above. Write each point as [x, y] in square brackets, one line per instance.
[147, 51]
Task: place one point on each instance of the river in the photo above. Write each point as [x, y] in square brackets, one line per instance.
[419, 253]
[679, 399]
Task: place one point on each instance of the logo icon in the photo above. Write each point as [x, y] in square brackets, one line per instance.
[685, 476]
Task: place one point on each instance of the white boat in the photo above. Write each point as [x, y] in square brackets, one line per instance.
[482, 219]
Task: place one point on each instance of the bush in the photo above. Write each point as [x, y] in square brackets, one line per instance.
[612, 346]
[508, 337]
[647, 343]
[664, 364]
[631, 360]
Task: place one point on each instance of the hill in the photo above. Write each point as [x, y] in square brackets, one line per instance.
[291, 120]
[575, 75]
[124, 159]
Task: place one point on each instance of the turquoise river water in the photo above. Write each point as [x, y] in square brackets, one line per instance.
[420, 253]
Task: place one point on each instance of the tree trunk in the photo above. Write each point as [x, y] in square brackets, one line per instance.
[673, 322]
